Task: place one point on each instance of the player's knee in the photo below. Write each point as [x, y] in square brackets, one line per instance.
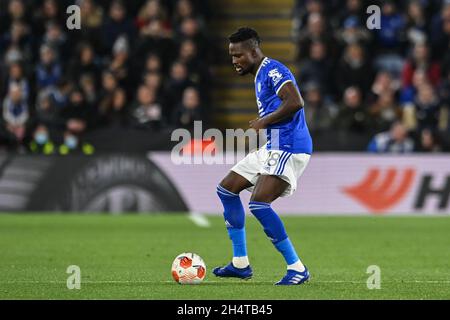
[224, 193]
[262, 197]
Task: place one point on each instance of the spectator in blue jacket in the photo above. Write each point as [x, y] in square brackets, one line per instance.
[49, 70]
[395, 140]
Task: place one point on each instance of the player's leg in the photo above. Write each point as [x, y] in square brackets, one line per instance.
[235, 182]
[228, 191]
[267, 189]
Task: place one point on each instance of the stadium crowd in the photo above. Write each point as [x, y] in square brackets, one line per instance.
[391, 84]
[144, 65]
[139, 64]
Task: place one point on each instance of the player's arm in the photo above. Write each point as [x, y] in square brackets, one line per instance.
[292, 101]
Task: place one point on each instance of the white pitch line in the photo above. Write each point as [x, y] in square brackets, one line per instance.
[338, 281]
[215, 281]
[199, 220]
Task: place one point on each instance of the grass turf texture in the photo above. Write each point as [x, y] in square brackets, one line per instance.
[129, 257]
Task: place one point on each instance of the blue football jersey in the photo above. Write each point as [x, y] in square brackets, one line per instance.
[292, 134]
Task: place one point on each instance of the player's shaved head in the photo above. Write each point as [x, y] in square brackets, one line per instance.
[248, 36]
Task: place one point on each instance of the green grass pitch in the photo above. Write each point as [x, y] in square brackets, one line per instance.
[129, 257]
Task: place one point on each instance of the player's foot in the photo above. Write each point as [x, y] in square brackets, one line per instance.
[293, 277]
[231, 271]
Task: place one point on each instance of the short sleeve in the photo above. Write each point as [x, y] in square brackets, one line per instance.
[278, 77]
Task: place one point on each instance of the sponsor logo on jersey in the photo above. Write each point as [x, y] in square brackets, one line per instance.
[275, 75]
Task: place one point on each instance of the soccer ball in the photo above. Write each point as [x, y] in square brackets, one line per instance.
[188, 268]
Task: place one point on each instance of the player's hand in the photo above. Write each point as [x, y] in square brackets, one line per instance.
[258, 123]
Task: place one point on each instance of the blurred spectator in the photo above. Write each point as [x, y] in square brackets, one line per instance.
[420, 59]
[49, 70]
[353, 9]
[152, 17]
[91, 15]
[75, 144]
[429, 142]
[17, 76]
[153, 81]
[390, 39]
[15, 116]
[16, 12]
[155, 32]
[408, 93]
[395, 140]
[353, 116]
[302, 10]
[198, 71]
[424, 113]
[190, 28]
[146, 111]
[13, 55]
[317, 67]
[92, 20]
[352, 32]
[177, 82]
[440, 30]
[316, 30]
[189, 110]
[116, 25]
[47, 112]
[354, 69]
[320, 114]
[78, 114]
[15, 108]
[84, 63]
[416, 24]
[41, 142]
[119, 64]
[16, 44]
[153, 63]
[89, 88]
[390, 36]
[183, 9]
[444, 90]
[383, 83]
[49, 11]
[116, 112]
[385, 111]
[55, 38]
[109, 86]
[60, 92]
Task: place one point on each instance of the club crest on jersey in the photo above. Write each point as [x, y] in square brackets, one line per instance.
[275, 76]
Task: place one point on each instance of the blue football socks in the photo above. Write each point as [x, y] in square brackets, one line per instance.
[234, 215]
[274, 229]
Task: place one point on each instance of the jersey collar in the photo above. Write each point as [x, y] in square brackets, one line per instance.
[259, 68]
